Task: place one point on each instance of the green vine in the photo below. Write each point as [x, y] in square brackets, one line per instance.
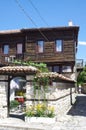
[41, 66]
[38, 83]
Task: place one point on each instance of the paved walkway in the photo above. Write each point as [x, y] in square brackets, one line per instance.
[75, 119]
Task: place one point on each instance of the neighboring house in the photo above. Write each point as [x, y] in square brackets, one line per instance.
[54, 46]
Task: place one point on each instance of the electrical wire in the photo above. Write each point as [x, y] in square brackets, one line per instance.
[27, 15]
[40, 15]
[38, 12]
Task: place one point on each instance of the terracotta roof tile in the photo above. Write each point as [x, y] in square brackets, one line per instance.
[18, 69]
[55, 75]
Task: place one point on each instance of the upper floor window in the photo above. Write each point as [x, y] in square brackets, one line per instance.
[19, 48]
[58, 46]
[6, 49]
[40, 46]
[66, 69]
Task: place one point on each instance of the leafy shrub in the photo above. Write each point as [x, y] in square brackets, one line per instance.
[82, 77]
[13, 104]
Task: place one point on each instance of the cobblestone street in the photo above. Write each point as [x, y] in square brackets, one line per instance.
[75, 119]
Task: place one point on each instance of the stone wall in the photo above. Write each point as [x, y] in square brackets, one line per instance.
[59, 95]
[3, 96]
[62, 105]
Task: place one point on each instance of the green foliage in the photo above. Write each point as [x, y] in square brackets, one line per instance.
[82, 77]
[14, 104]
[44, 81]
[41, 66]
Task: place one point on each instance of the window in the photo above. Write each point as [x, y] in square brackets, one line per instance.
[66, 69]
[50, 68]
[56, 68]
[58, 46]
[6, 49]
[40, 45]
[19, 48]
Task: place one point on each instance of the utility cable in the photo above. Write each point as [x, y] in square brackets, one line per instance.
[38, 12]
[27, 15]
[30, 1]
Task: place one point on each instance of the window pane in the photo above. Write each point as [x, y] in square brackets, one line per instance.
[50, 68]
[58, 45]
[19, 48]
[66, 69]
[6, 49]
[40, 46]
[56, 68]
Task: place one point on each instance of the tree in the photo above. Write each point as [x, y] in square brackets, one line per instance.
[82, 77]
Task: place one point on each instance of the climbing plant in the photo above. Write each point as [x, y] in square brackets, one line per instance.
[41, 66]
[40, 83]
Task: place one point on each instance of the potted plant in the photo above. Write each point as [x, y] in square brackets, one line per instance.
[13, 105]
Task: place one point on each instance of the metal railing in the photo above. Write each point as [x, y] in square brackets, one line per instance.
[80, 63]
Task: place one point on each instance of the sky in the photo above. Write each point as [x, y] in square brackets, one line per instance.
[18, 14]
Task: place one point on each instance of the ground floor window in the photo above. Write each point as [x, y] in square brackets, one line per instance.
[66, 68]
[54, 68]
[60, 68]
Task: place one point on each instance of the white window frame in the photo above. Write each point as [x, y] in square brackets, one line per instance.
[40, 46]
[19, 48]
[58, 45]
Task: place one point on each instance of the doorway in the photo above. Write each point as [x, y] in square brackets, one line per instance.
[17, 97]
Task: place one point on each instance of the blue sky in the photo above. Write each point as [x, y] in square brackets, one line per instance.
[45, 13]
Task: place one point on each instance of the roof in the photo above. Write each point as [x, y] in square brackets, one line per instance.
[10, 31]
[56, 76]
[32, 70]
[37, 29]
[18, 69]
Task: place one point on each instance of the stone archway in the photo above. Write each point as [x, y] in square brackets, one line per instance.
[6, 74]
[17, 95]
[17, 84]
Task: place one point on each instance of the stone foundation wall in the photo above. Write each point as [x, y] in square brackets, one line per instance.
[62, 105]
[59, 95]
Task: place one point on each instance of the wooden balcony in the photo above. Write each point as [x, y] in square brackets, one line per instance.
[79, 63]
[9, 59]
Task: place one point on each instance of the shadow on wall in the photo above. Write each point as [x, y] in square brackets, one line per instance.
[79, 108]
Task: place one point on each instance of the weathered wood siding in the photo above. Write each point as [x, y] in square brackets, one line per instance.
[12, 40]
[49, 54]
[29, 38]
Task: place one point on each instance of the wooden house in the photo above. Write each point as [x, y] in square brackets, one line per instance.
[55, 46]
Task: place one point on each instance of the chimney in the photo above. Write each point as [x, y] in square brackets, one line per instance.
[70, 23]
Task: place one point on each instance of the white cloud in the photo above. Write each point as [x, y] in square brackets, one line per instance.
[82, 42]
